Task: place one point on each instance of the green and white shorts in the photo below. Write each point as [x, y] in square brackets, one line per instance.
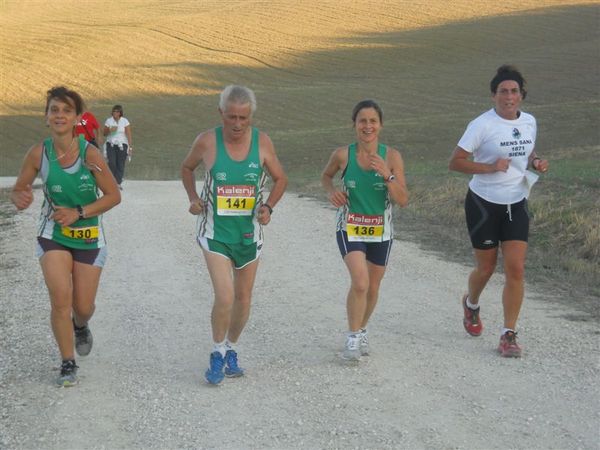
[241, 255]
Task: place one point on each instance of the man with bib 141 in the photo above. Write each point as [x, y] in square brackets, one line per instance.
[231, 209]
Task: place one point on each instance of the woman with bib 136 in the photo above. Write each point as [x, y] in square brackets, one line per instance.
[373, 178]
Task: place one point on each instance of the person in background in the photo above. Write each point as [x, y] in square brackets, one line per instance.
[498, 148]
[70, 239]
[373, 178]
[231, 212]
[89, 127]
[119, 144]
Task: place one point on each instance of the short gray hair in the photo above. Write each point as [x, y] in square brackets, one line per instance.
[237, 94]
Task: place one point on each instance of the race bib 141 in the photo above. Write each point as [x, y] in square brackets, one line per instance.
[235, 200]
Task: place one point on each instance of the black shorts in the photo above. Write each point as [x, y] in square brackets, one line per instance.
[93, 256]
[377, 253]
[491, 223]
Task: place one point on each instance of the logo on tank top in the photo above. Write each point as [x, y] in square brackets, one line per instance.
[56, 188]
[516, 133]
[251, 177]
[221, 176]
[253, 165]
[351, 184]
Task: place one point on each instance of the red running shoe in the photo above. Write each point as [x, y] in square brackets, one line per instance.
[471, 321]
[508, 346]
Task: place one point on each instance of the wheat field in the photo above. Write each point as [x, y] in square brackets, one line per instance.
[428, 62]
[110, 49]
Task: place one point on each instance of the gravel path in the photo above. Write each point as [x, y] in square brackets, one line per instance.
[427, 383]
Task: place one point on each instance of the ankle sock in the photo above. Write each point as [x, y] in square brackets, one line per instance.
[229, 345]
[471, 305]
[220, 347]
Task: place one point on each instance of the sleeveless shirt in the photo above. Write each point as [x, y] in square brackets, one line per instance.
[232, 192]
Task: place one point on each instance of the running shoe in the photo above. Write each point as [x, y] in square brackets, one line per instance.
[508, 346]
[83, 339]
[214, 374]
[68, 374]
[471, 320]
[352, 350]
[232, 369]
[364, 343]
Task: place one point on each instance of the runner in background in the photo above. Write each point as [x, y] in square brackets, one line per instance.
[89, 127]
[119, 143]
[231, 212]
[373, 178]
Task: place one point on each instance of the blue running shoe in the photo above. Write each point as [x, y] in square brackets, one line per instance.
[214, 374]
[232, 369]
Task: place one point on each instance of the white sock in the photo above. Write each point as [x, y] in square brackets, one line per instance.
[471, 305]
[353, 334]
[230, 345]
[220, 347]
[505, 330]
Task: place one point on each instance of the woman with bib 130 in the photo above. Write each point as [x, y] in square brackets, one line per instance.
[70, 237]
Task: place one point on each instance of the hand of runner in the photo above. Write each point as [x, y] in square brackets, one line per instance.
[338, 198]
[541, 165]
[378, 165]
[501, 165]
[22, 199]
[65, 216]
[196, 207]
[263, 215]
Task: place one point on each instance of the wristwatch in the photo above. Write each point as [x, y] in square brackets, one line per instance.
[80, 211]
[392, 177]
[266, 205]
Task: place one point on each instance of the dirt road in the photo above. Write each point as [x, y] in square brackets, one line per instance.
[427, 383]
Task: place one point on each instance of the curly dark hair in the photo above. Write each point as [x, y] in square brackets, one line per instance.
[508, 72]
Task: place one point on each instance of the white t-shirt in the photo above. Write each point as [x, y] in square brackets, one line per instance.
[118, 137]
[490, 137]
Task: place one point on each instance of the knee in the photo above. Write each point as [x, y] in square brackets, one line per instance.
[360, 286]
[223, 302]
[84, 311]
[373, 293]
[61, 299]
[62, 309]
[486, 269]
[244, 300]
[515, 271]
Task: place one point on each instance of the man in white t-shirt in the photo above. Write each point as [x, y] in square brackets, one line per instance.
[118, 142]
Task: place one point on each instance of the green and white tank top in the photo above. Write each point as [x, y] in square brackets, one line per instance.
[367, 217]
[232, 192]
[69, 187]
